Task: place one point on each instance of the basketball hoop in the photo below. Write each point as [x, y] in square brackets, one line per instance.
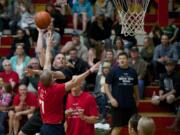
[132, 13]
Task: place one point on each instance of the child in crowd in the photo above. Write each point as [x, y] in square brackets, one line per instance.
[5, 100]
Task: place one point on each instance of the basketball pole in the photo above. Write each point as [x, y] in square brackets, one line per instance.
[162, 14]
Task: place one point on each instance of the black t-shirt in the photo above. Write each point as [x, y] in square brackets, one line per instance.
[80, 66]
[66, 71]
[122, 82]
[169, 82]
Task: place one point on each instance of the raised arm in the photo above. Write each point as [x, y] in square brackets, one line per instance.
[81, 77]
[48, 55]
[39, 41]
[40, 51]
[55, 74]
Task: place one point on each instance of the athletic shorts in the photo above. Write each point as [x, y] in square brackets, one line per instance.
[52, 129]
[33, 125]
[121, 116]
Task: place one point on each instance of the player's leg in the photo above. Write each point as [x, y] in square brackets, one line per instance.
[32, 126]
[10, 122]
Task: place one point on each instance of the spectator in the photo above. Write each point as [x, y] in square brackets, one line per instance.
[119, 46]
[147, 50]
[56, 39]
[156, 34]
[17, 7]
[33, 79]
[21, 38]
[172, 31]
[133, 123]
[116, 27]
[124, 95]
[83, 9]
[99, 91]
[9, 76]
[129, 41]
[104, 7]
[24, 104]
[138, 64]
[60, 20]
[146, 126]
[5, 100]
[162, 53]
[100, 31]
[20, 60]
[109, 57]
[77, 44]
[78, 65]
[27, 22]
[81, 112]
[169, 86]
[4, 15]
[177, 45]
[63, 7]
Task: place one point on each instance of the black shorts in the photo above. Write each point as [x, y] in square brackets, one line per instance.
[121, 116]
[52, 129]
[33, 125]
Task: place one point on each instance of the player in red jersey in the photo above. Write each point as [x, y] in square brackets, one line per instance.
[51, 96]
[81, 112]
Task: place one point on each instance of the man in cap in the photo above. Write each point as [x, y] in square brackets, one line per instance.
[169, 85]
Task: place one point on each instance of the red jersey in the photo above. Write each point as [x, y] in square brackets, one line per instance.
[30, 101]
[7, 77]
[87, 103]
[51, 103]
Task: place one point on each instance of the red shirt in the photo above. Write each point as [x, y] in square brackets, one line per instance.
[86, 102]
[7, 77]
[51, 103]
[30, 101]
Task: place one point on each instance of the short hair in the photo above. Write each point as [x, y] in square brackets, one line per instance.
[46, 78]
[146, 125]
[73, 49]
[5, 60]
[110, 50]
[133, 121]
[23, 82]
[123, 54]
[165, 34]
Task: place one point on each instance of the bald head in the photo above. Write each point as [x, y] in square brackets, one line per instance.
[146, 126]
[46, 78]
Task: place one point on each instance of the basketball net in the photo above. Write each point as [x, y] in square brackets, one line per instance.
[132, 13]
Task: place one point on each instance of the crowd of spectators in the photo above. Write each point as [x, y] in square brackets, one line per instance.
[99, 40]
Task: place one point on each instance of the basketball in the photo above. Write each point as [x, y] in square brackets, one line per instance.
[42, 19]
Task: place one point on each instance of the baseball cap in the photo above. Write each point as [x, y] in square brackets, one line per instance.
[170, 62]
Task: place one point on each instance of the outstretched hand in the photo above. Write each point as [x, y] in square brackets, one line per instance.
[95, 67]
[29, 71]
